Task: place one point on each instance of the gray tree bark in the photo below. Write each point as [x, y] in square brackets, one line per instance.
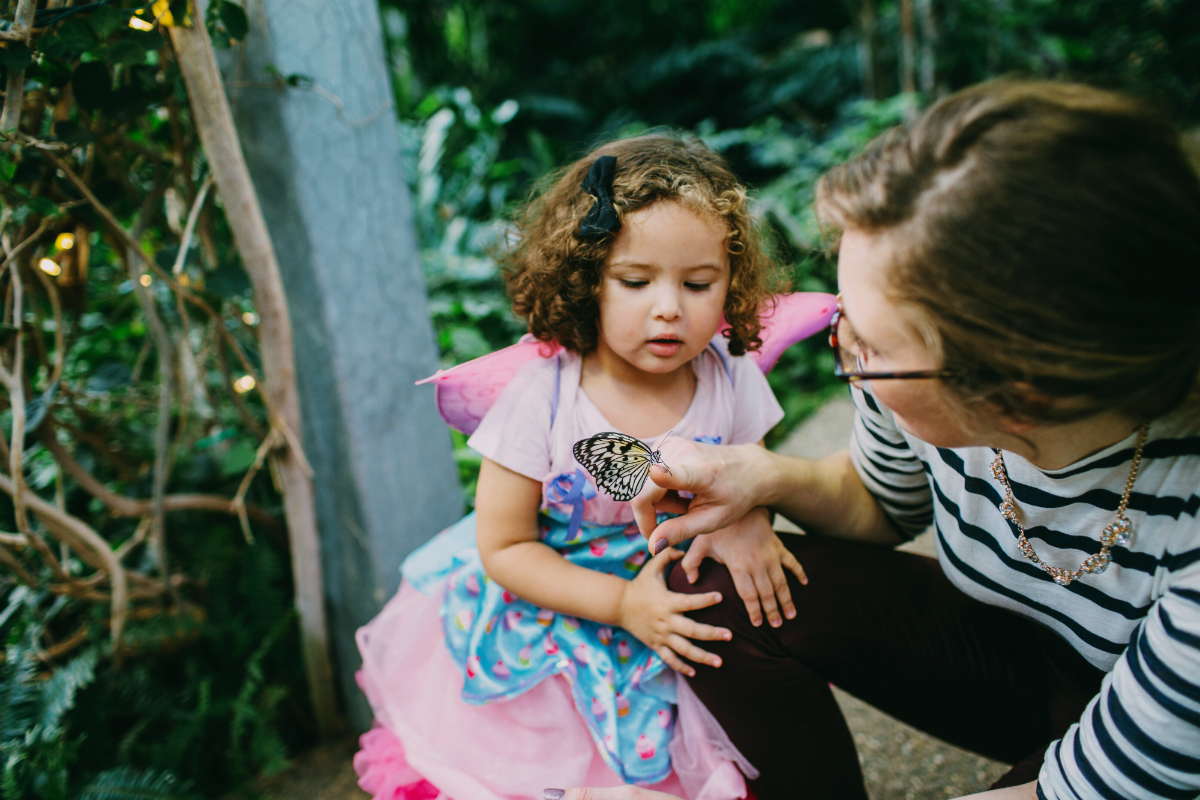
[325, 161]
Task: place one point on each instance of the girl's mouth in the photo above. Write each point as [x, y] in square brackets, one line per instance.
[665, 346]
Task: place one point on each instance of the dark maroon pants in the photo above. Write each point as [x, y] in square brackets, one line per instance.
[889, 628]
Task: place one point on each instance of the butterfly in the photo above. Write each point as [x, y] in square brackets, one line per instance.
[619, 463]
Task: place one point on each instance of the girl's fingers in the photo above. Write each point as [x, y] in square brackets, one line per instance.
[692, 559]
[698, 630]
[682, 603]
[673, 661]
[691, 652]
[766, 595]
[749, 594]
[792, 565]
[779, 583]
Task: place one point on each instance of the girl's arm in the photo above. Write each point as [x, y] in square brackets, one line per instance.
[506, 508]
[825, 496]
[506, 531]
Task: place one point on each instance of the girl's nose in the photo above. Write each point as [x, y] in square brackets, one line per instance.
[666, 305]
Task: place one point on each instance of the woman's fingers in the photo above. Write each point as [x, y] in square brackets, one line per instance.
[691, 652]
[695, 555]
[673, 661]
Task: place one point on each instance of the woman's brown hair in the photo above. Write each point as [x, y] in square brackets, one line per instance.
[1050, 234]
[554, 277]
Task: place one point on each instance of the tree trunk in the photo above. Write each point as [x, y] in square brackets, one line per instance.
[866, 49]
[324, 155]
[214, 123]
[929, 37]
[908, 48]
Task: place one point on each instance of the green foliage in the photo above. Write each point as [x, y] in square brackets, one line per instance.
[207, 690]
[124, 783]
[776, 86]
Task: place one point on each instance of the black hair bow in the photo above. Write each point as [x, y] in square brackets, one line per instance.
[602, 218]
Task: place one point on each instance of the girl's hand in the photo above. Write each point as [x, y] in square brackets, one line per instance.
[756, 559]
[654, 614]
[725, 481]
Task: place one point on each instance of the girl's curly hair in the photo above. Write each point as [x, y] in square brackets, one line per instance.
[555, 278]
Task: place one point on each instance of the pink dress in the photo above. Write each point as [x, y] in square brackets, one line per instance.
[479, 695]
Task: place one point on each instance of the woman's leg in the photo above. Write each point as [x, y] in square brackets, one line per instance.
[889, 628]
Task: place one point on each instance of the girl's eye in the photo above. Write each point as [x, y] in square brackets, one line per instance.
[697, 287]
[633, 284]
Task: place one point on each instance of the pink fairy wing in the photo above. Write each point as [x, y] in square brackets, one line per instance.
[794, 317]
[465, 393]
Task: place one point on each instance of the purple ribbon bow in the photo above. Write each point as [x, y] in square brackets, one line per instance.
[571, 490]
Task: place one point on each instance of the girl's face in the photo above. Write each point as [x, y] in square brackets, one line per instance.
[887, 337]
[664, 287]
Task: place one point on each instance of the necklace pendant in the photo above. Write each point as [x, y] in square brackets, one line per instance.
[1061, 577]
[1124, 532]
[1008, 510]
[1102, 560]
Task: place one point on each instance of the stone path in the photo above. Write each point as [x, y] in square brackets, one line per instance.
[899, 762]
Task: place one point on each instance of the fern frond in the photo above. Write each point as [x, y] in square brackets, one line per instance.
[19, 693]
[126, 783]
[58, 693]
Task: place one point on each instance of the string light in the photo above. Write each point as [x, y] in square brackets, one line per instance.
[49, 267]
[250, 318]
[243, 384]
[145, 279]
[65, 241]
[140, 24]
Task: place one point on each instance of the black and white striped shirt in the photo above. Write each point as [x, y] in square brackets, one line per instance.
[1139, 621]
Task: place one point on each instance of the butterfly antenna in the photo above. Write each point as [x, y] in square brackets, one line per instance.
[657, 446]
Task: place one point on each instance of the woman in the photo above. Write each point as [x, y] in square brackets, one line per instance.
[1020, 326]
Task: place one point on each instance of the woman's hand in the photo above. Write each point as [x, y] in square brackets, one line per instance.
[725, 481]
[654, 614]
[756, 559]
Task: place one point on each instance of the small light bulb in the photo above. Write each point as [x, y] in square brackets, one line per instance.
[65, 241]
[243, 384]
[140, 24]
[184, 280]
[145, 279]
[250, 318]
[49, 267]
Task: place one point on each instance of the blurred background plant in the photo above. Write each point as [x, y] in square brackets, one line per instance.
[205, 689]
[494, 94]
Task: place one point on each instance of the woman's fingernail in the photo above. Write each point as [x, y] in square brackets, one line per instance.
[659, 546]
[553, 794]
[716, 662]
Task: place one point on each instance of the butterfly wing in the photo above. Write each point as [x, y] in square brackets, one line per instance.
[619, 463]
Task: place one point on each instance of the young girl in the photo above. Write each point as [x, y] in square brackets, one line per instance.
[529, 645]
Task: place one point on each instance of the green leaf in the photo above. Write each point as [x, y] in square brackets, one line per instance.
[234, 20]
[106, 21]
[237, 458]
[43, 206]
[126, 783]
[16, 56]
[73, 37]
[58, 693]
[35, 410]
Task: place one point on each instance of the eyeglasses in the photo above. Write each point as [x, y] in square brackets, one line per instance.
[847, 361]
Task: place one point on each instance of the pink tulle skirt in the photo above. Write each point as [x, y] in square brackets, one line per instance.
[427, 744]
